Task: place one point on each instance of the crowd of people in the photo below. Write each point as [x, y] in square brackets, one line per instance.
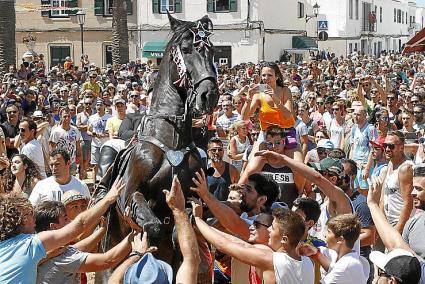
[314, 173]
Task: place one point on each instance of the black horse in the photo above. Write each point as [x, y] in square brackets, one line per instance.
[186, 85]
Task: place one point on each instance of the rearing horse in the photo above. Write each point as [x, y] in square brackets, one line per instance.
[186, 84]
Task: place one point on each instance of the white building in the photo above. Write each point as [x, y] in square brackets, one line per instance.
[369, 26]
[253, 30]
[244, 31]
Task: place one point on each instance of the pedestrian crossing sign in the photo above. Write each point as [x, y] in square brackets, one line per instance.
[322, 25]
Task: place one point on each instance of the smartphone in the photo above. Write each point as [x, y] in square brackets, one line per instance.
[262, 88]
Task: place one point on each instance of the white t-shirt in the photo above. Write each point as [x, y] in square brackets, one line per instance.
[98, 125]
[290, 271]
[34, 152]
[49, 190]
[66, 140]
[347, 270]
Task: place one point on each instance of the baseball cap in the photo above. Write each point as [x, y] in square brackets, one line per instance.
[118, 99]
[37, 113]
[99, 101]
[378, 143]
[149, 270]
[398, 263]
[328, 164]
[295, 89]
[325, 143]
[329, 100]
[71, 195]
[264, 219]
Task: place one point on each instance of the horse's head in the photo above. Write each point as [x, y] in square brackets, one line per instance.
[191, 56]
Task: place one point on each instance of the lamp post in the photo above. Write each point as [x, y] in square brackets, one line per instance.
[81, 18]
[316, 8]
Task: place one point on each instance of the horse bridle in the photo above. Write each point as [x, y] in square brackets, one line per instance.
[200, 40]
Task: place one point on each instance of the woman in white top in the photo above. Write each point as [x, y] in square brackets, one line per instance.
[337, 126]
[239, 142]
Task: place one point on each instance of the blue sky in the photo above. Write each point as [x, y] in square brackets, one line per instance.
[421, 2]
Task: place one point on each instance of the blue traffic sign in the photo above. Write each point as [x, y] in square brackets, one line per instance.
[322, 25]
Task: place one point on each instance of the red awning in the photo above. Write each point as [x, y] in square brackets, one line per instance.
[416, 43]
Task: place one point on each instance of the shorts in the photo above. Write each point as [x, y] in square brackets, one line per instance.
[85, 149]
[95, 155]
[290, 139]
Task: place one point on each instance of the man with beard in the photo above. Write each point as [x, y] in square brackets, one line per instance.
[397, 201]
[258, 196]
[414, 229]
[418, 113]
[224, 173]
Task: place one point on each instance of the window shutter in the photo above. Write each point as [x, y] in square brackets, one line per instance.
[177, 6]
[233, 5]
[98, 7]
[72, 4]
[210, 5]
[45, 4]
[129, 4]
[155, 6]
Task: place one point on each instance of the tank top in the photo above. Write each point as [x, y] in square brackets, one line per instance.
[240, 148]
[285, 179]
[393, 201]
[219, 186]
[269, 116]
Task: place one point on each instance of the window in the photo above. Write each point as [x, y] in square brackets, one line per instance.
[356, 47]
[58, 54]
[350, 48]
[104, 7]
[350, 9]
[410, 21]
[368, 18]
[222, 6]
[380, 14]
[402, 17]
[59, 8]
[300, 10]
[167, 5]
[357, 9]
[395, 15]
[398, 16]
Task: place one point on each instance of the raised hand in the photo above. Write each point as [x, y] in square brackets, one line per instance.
[196, 207]
[375, 187]
[116, 189]
[273, 159]
[141, 245]
[201, 186]
[175, 197]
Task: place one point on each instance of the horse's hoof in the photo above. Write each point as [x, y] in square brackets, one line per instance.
[144, 217]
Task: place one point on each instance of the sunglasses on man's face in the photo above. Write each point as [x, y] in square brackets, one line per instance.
[216, 150]
[271, 145]
[391, 98]
[12, 112]
[389, 146]
[322, 151]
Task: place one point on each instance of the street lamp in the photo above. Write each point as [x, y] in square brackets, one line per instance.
[316, 8]
[81, 18]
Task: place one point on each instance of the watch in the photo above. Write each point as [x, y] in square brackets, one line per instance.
[134, 253]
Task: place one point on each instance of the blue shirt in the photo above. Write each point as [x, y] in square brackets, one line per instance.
[19, 257]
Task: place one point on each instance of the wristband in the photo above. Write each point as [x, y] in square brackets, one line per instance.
[316, 255]
[134, 253]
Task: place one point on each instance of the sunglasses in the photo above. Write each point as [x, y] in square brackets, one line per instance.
[389, 146]
[258, 225]
[417, 112]
[271, 145]
[321, 151]
[335, 109]
[391, 98]
[414, 102]
[320, 103]
[216, 150]
[135, 96]
[12, 112]
[22, 130]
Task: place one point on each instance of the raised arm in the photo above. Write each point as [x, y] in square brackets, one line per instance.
[405, 176]
[224, 214]
[334, 193]
[188, 271]
[56, 238]
[390, 237]
[251, 104]
[249, 254]
[101, 261]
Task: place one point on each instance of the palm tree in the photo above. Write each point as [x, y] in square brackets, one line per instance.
[7, 35]
[119, 32]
